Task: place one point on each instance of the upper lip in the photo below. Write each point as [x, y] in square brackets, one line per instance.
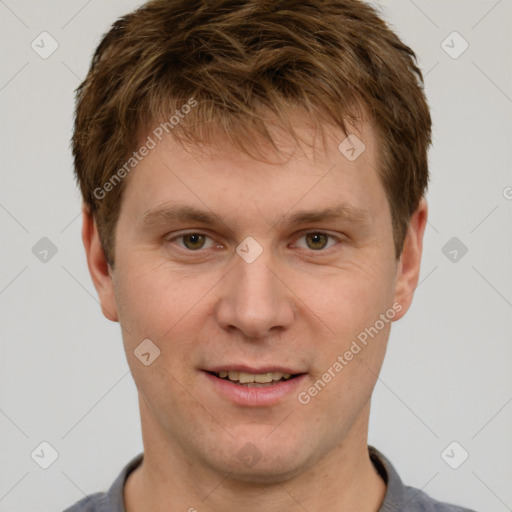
[252, 369]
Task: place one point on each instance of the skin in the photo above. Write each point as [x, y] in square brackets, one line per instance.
[294, 306]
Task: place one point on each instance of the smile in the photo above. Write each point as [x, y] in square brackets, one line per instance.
[253, 379]
[260, 387]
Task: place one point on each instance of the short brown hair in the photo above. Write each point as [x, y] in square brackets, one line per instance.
[238, 60]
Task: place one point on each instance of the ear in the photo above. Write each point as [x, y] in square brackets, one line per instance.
[409, 265]
[100, 270]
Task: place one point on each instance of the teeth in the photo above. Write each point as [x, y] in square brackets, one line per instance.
[245, 378]
[263, 378]
[248, 378]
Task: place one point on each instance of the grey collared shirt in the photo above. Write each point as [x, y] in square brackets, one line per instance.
[399, 498]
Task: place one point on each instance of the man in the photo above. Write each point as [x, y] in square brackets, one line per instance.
[253, 176]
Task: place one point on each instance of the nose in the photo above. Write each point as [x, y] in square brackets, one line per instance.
[254, 299]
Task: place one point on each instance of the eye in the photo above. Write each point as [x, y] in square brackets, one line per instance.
[193, 241]
[316, 241]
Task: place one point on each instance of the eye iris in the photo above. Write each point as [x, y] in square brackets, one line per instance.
[193, 241]
[316, 241]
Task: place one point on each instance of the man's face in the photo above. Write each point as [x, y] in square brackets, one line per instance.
[315, 267]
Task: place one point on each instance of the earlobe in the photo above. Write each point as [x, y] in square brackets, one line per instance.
[98, 266]
[408, 270]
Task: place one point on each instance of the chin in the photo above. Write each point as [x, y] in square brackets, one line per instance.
[250, 465]
[261, 478]
[264, 474]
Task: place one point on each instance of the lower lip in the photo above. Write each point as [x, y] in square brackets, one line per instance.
[256, 396]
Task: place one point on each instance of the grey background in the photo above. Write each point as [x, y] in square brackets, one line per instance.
[447, 376]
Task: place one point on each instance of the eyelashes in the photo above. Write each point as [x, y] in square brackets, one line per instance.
[314, 241]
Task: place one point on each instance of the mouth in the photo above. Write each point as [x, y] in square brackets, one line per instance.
[254, 380]
[254, 387]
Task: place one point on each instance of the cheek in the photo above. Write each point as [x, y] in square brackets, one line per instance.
[351, 300]
[154, 299]
[349, 357]
[153, 305]
[167, 307]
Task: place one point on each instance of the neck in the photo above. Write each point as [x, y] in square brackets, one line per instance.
[170, 480]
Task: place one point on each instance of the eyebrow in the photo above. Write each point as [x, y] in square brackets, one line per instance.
[181, 213]
[340, 212]
[186, 213]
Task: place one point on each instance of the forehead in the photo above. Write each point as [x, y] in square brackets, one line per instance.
[325, 167]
